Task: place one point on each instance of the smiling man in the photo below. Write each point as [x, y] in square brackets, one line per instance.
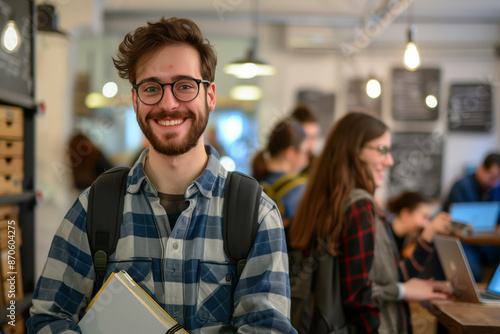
[171, 238]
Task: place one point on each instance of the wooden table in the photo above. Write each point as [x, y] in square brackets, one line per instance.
[491, 238]
[467, 317]
[460, 317]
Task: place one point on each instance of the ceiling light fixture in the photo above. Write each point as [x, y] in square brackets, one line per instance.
[411, 59]
[11, 38]
[373, 88]
[246, 93]
[250, 66]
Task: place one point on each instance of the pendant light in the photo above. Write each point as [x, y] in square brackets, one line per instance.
[411, 60]
[11, 38]
[250, 66]
[373, 88]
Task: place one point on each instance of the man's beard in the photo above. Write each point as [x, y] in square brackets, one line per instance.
[167, 144]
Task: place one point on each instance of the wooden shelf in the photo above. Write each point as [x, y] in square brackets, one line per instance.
[26, 197]
[22, 306]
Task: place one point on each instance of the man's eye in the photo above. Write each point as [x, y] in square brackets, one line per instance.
[151, 89]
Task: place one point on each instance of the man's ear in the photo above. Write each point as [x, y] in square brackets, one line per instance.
[211, 96]
[134, 99]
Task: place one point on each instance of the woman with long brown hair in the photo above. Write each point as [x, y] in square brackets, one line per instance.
[355, 156]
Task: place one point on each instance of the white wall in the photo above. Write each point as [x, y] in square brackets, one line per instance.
[330, 71]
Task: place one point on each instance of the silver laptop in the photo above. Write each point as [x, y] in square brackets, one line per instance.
[458, 273]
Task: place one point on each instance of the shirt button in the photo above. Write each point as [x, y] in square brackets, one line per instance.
[228, 277]
[175, 246]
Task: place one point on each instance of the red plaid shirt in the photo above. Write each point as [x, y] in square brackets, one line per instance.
[357, 245]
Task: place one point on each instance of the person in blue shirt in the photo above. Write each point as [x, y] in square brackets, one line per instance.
[480, 186]
[171, 237]
[277, 167]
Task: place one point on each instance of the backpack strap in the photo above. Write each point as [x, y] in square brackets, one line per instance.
[240, 217]
[104, 216]
[358, 194]
[281, 187]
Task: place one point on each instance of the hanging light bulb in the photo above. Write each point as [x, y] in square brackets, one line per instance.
[411, 58]
[250, 66]
[373, 88]
[11, 38]
[246, 93]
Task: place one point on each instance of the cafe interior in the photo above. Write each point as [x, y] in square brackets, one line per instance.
[429, 69]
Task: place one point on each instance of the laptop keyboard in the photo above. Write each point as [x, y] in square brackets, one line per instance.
[490, 295]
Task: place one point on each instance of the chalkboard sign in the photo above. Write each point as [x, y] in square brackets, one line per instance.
[16, 68]
[323, 105]
[470, 107]
[417, 163]
[410, 91]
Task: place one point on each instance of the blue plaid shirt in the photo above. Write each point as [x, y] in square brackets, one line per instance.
[185, 270]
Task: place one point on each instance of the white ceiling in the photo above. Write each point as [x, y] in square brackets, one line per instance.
[467, 24]
[290, 10]
[472, 23]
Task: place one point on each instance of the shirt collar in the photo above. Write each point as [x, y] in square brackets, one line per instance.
[205, 183]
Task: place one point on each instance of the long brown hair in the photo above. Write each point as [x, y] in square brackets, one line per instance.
[286, 133]
[166, 32]
[337, 171]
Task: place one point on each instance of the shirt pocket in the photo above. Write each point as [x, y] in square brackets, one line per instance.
[140, 269]
[215, 291]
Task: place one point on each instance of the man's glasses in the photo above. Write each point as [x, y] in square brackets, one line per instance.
[184, 90]
[383, 150]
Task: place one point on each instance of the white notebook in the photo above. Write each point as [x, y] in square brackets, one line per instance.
[122, 306]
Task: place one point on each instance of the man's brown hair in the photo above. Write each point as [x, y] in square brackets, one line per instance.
[151, 38]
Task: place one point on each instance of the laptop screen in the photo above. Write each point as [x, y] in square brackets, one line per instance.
[482, 216]
[494, 285]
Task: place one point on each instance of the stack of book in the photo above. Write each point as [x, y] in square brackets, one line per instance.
[122, 306]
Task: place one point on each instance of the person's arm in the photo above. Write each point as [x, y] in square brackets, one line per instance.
[463, 190]
[65, 285]
[262, 295]
[413, 265]
[358, 243]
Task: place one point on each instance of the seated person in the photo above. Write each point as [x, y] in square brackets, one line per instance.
[481, 186]
[412, 219]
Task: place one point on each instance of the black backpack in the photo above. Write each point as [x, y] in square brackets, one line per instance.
[105, 210]
[316, 305]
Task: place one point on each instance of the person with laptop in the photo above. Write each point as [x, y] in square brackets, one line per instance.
[481, 186]
[410, 219]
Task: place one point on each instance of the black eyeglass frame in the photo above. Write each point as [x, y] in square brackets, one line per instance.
[383, 150]
[172, 84]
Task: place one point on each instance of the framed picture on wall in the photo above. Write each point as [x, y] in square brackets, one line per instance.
[415, 95]
[417, 163]
[470, 107]
[322, 103]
